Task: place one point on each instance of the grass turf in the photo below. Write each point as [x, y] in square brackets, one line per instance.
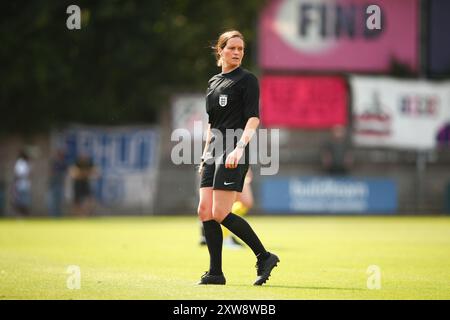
[159, 258]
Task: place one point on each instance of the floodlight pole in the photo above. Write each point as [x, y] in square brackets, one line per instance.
[421, 166]
[422, 155]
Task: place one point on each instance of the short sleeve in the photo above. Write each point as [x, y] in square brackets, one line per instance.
[251, 97]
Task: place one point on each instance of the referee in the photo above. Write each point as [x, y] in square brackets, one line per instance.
[232, 102]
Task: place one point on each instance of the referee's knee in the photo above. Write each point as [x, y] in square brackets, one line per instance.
[219, 214]
[204, 212]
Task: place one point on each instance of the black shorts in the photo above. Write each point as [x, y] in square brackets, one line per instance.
[220, 178]
[216, 175]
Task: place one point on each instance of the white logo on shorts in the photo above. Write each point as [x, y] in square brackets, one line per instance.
[223, 99]
[228, 183]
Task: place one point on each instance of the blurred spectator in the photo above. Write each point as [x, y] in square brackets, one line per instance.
[82, 172]
[21, 195]
[336, 154]
[58, 170]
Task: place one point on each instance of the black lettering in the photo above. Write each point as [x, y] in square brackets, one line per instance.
[305, 20]
[345, 21]
[323, 21]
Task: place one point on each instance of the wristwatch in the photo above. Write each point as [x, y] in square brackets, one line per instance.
[240, 144]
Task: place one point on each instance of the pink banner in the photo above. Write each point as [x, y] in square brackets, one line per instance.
[303, 102]
[338, 35]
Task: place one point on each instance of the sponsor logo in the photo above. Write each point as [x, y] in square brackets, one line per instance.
[315, 26]
[374, 121]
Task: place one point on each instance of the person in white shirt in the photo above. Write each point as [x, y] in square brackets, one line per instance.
[22, 185]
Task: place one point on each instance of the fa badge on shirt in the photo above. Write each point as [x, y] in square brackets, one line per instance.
[223, 99]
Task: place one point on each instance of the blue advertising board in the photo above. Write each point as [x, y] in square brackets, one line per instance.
[329, 195]
[127, 158]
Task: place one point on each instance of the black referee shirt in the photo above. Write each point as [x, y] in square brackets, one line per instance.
[231, 99]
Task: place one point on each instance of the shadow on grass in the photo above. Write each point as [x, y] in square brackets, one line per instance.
[300, 287]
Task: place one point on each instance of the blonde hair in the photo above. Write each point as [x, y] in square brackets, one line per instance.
[222, 42]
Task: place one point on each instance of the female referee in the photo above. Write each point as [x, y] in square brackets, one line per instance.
[232, 102]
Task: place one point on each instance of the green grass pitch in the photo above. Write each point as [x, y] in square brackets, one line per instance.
[159, 258]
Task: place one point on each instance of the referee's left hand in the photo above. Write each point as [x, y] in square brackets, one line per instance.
[233, 158]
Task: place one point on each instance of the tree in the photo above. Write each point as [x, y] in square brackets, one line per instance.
[120, 67]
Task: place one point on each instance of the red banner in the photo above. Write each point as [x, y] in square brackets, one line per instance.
[303, 102]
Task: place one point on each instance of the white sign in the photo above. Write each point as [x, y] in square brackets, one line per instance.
[404, 114]
[186, 111]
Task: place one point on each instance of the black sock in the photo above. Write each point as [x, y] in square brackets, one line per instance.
[214, 239]
[242, 229]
